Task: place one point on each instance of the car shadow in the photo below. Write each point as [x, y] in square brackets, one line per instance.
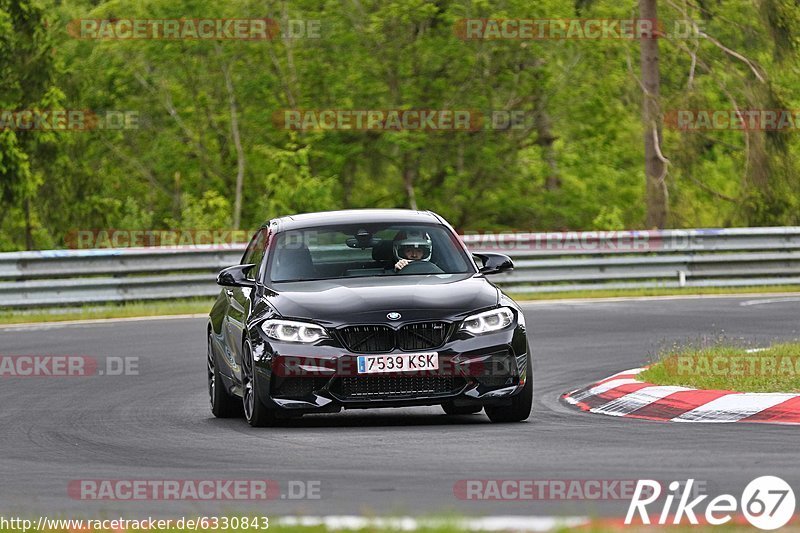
[382, 419]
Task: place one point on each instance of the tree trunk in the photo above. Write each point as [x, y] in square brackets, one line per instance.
[544, 132]
[28, 225]
[237, 142]
[409, 175]
[654, 164]
[546, 139]
[177, 200]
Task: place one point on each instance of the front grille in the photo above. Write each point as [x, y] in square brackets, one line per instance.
[380, 339]
[422, 336]
[392, 386]
[297, 387]
[366, 339]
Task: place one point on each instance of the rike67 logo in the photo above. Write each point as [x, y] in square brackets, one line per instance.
[767, 502]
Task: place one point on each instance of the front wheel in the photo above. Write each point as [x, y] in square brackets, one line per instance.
[255, 412]
[520, 408]
[222, 404]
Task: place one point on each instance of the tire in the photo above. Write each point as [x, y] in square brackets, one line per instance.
[451, 409]
[255, 412]
[223, 405]
[520, 408]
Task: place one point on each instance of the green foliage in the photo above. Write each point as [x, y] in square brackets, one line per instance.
[609, 219]
[292, 186]
[129, 215]
[179, 168]
[212, 210]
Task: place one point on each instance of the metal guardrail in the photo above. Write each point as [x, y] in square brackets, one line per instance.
[544, 262]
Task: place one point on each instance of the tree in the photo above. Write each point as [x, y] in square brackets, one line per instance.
[26, 83]
[655, 165]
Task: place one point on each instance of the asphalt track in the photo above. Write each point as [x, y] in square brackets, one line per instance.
[157, 425]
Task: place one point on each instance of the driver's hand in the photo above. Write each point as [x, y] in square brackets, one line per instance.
[400, 264]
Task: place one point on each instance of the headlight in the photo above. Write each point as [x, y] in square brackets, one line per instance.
[290, 331]
[488, 321]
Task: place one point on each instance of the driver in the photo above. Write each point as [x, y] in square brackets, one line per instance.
[414, 246]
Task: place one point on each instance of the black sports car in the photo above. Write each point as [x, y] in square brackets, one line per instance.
[361, 309]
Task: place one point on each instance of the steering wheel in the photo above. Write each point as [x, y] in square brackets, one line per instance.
[421, 267]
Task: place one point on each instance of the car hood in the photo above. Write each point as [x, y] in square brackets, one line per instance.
[369, 299]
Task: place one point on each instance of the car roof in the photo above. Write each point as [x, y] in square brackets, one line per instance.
[354, 216]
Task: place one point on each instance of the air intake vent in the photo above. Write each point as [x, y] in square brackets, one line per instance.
[353, 388]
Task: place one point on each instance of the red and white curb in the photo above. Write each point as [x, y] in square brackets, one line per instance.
[625, 396]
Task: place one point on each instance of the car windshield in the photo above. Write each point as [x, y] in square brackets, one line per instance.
[346, 251]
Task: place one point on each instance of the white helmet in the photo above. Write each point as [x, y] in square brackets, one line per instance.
[414, 240]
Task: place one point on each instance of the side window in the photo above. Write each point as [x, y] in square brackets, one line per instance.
[255, 251]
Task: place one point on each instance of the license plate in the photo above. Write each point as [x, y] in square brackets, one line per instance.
[406, 362]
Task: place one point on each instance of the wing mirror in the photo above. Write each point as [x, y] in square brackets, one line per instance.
[236, 276]
[494, 263]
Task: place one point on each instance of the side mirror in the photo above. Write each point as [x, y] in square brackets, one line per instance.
[494, 263]
[235, 276]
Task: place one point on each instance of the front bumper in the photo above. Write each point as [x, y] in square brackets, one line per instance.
[487, 370]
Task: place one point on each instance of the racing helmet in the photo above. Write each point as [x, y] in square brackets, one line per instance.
[415, 240]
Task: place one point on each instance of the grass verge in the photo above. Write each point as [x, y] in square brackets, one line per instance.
[633, 293]
[93, 312]
[729, 367]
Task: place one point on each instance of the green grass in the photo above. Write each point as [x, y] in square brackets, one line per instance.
[729, 367]
[93, 312]
[633, 293]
